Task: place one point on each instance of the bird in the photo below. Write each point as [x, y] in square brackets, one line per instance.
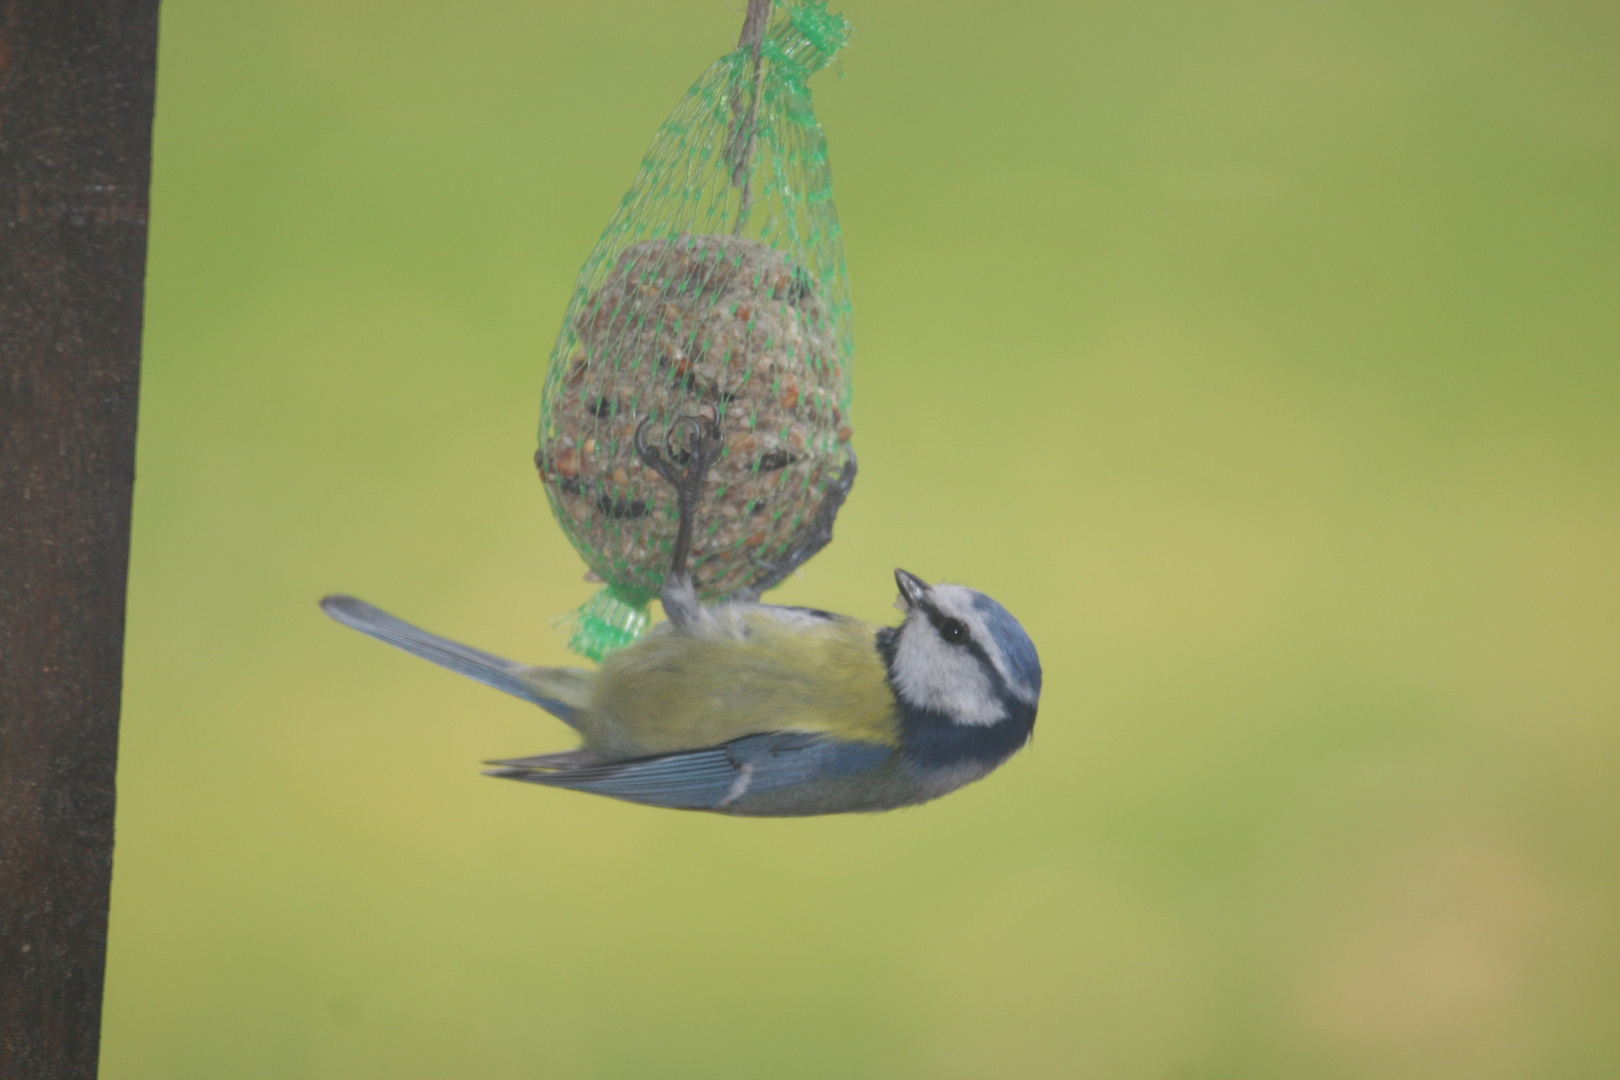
[762, 710]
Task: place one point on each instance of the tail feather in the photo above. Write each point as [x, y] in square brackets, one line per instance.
[563, 692]
[568, 759]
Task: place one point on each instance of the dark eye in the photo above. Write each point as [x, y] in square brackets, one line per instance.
[953, 631]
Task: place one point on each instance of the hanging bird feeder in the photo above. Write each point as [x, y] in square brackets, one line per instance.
[718, 291]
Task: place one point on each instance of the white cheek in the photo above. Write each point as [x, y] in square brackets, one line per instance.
[933, 675]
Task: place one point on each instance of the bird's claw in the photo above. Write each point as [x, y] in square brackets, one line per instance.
[684, 466]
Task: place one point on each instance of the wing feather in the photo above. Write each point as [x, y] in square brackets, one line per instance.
[714, 777]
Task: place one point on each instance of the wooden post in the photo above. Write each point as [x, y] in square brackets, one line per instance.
[76, 91]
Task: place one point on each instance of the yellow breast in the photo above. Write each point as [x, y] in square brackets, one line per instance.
[754, 674]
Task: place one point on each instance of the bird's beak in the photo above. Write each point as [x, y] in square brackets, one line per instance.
[912, 589]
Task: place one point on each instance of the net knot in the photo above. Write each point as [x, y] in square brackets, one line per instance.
[609, 621]
[808, 39]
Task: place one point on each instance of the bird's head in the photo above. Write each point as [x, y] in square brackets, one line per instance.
[961, 656]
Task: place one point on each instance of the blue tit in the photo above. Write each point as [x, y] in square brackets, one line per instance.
[761, 710]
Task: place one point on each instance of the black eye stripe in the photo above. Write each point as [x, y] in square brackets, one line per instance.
[949, 627]
[939, 620]
[888, 640]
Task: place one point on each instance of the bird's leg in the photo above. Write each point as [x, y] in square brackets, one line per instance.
[685, 467]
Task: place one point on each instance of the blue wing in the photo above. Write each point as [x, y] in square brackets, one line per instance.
[714, 777]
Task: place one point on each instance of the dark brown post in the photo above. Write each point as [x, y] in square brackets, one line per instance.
[76, 87]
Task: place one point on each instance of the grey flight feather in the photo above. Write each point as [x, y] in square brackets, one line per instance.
[496, 671]
[715, 777]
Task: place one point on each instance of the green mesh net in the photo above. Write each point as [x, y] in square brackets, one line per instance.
[718, 290]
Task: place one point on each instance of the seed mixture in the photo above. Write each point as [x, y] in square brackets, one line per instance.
[720, 327]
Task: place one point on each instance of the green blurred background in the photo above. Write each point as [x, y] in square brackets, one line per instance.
[1261, 357]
